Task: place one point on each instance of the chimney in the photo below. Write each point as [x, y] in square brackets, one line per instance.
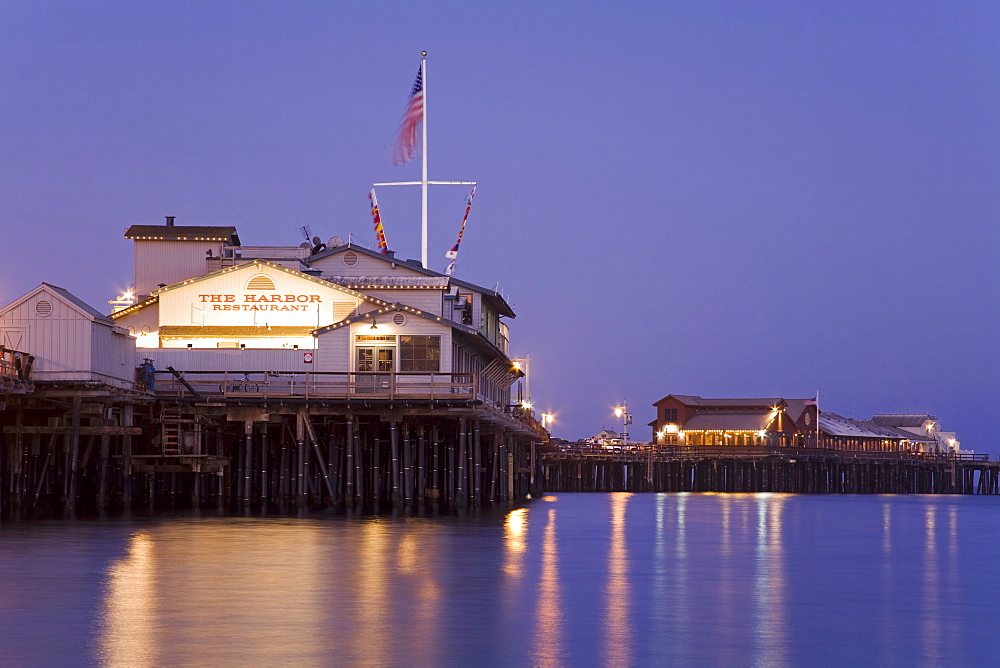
[170, 220]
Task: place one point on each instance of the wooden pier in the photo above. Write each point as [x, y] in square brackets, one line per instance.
[765, 469]
[268, 443]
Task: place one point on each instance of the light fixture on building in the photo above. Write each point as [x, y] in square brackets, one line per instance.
[374, 324]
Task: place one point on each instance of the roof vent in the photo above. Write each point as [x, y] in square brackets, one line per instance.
[350, 259]
[170, 220]
[43, 308]
[260, 282]
[398, 319]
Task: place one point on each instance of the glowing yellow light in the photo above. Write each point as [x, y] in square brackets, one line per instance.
[671, 429]
[619, 411]
[526, 404]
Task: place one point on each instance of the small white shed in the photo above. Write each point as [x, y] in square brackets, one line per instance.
[70, 340]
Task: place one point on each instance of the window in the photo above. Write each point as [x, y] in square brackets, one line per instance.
[670, 415]
[419, 353]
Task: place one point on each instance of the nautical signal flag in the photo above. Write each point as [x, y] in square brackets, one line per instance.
[383, 247]
[406, 144]
[453, 253]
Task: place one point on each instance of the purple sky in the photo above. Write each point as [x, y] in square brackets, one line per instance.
[713, 198]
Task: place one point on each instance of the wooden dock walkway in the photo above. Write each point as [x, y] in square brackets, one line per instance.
[763, 469]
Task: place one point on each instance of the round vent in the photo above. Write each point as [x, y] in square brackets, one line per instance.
[350, 258]
[398, 319]
[260, 282]
[43, 308]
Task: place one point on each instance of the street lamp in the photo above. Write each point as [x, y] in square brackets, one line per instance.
[523, 364]
[626, 417]
[547, 419]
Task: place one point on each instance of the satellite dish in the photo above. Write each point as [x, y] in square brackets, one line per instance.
[305, 244]
[333, 242]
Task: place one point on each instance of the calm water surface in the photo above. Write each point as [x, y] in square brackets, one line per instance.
[572, 579]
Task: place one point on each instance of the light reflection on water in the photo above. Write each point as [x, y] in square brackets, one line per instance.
[572, 579]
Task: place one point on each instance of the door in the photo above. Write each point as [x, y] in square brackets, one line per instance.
[375, 366]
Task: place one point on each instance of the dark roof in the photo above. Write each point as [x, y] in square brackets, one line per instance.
[796, 407]
[902, 420]
[756, 402]
[79, 303]
[376, 282]
[186, 331]
[729, 420]
[184, 233]
[492, 296]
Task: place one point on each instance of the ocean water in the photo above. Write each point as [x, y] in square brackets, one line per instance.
[569, 579]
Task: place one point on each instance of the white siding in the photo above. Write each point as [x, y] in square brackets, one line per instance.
[60, 341]
[337, 354]
[334, 350]
[226, 359]
[142, 324]
[425, 300]
[112, 352]
[170, 262]
[68, 343]
[310, 303]
[366, 266]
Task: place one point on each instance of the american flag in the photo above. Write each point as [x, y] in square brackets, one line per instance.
[406, 145]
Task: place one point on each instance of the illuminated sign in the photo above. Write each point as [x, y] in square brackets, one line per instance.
[261, 302]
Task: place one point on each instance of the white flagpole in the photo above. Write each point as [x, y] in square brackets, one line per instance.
[424, 182]
[817, 418]
[423, 172]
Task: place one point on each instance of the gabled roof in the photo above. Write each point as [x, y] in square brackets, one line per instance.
[398, 282]
[837, 425]
[75, 302]
[495, 298]
[902, 419]
[79, 303]
[729, 420]
[796, 407]
[476, 336]
[390, 308]
[134, 307]
[755, 402]
[183, 233]
[260, 264]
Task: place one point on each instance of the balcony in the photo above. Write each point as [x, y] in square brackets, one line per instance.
[334, 385]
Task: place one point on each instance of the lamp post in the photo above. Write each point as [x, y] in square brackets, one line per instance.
[626, 417]
[523, 364]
